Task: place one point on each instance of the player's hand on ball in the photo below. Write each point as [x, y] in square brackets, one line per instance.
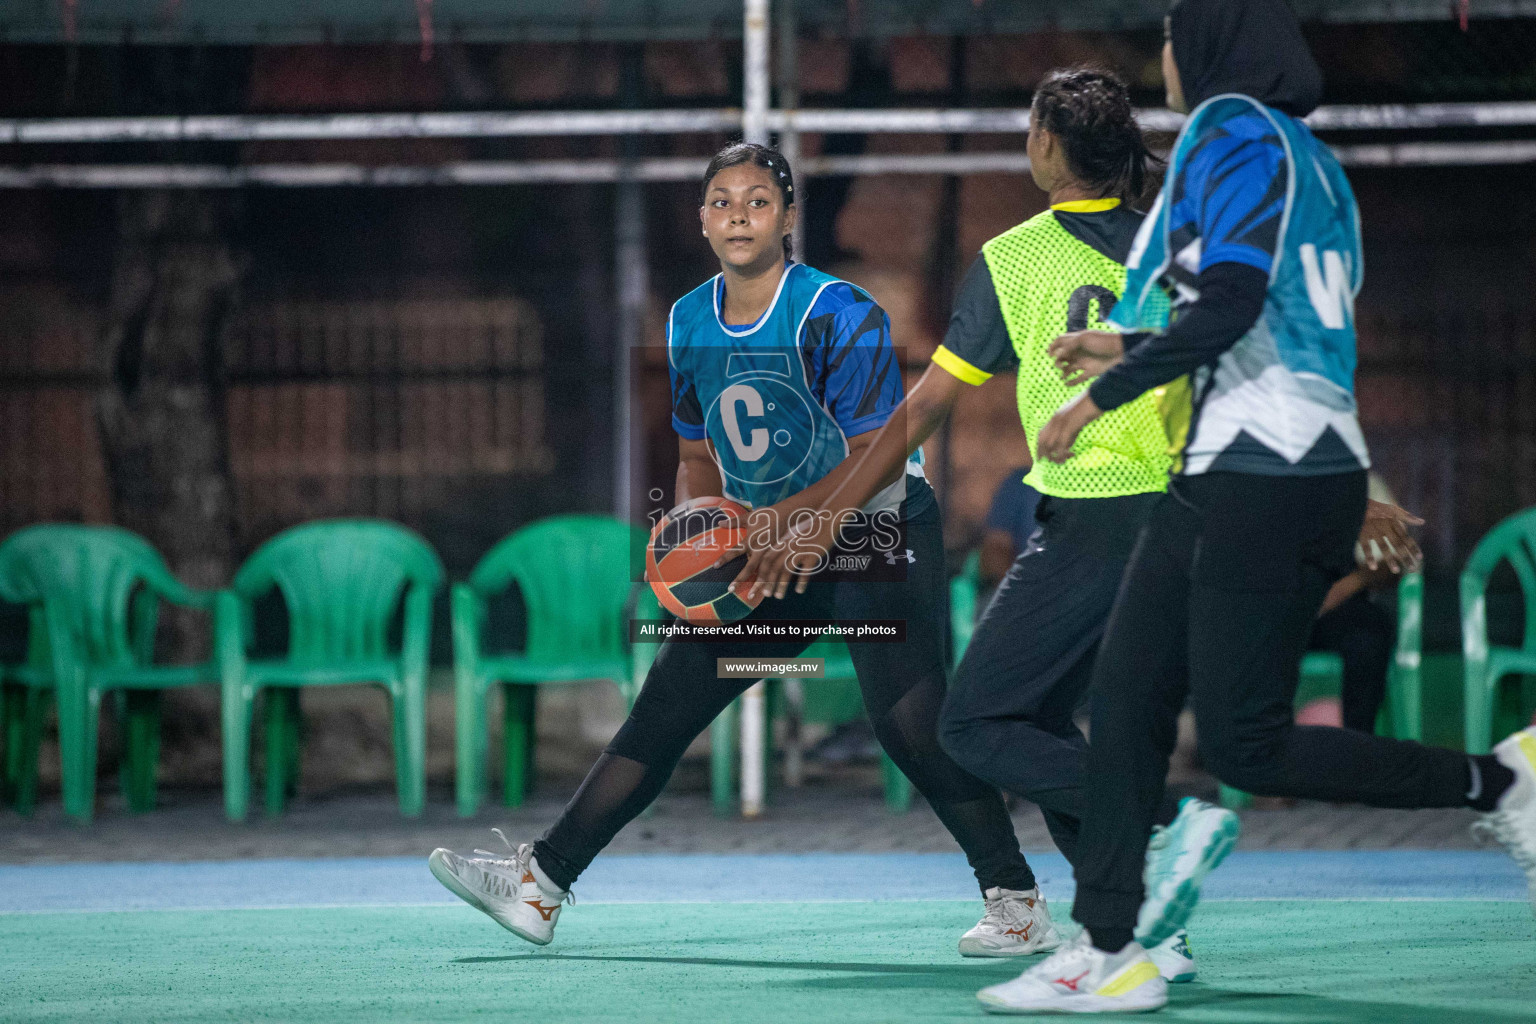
[1082, 355]
[800, 552]
[1058, 435]
[1384, 541]
[765, 528]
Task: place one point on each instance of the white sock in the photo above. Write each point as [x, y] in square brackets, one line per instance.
[540, 877]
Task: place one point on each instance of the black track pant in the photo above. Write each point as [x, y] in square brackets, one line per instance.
[1009, 714]
[903, 686]
[1217, 604]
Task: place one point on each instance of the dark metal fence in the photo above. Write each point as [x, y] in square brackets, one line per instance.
[376, 407]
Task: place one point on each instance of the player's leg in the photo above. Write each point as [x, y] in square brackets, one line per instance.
[1138, 686]
[681, 696]
[903, 686]
[1009, 714]
[1271, 548]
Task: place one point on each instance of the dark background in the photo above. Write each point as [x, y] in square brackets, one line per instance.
[209, 367]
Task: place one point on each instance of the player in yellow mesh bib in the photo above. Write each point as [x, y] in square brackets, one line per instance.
[1008, 717]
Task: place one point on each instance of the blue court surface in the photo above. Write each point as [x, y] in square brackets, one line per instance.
[734, 878]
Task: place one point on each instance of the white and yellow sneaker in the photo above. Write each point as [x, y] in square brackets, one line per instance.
[1513, 823]
[1081, 979]
[509, 890]
[1173, 959]
[1015, 924]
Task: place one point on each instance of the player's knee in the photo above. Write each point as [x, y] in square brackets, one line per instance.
[1243, 760]
[962, 749]
[956, 734]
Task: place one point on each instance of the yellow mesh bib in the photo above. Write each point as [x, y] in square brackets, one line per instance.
[1048, 283]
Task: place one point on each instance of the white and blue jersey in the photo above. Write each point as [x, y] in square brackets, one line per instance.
[779, 398]
[1250, 184]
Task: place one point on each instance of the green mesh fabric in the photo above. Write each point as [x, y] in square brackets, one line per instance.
[1047, 283]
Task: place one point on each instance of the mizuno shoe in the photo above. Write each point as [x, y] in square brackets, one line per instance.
[1173, 959]
[1015, 924]
[1081, 979]
[1513, 823]
[506, 889]
[1178, 859]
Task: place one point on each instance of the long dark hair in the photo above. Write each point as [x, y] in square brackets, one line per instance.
[770, 160]
[1090, 112]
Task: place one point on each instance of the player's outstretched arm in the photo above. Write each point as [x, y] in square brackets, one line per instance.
[869, 467]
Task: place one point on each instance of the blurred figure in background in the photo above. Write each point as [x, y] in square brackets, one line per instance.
[1355, 625]
[1009, 524]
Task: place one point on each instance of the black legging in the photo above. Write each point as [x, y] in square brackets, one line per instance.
[903, 686]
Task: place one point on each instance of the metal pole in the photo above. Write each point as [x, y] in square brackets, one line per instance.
[789, 136]
[525, 124]
[789, 144]
[634, 288]
[754, 103]
[754, 123]
[631, 266]
[574, 172]
[755, 752]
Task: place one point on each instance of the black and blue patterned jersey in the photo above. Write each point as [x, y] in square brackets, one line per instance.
[1251, 185]
[778, 399]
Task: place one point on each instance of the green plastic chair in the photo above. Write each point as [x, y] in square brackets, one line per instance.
[1402, 712]
[342, 581]
[1485, 665]
[93, 595]
[964, 591]
[574, 573]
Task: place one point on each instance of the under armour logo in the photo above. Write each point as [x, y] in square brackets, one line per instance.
[891, 557]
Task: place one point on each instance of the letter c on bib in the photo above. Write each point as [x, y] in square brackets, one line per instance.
[746, 394]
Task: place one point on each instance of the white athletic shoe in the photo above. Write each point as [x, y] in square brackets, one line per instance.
[1513, 824]
[1081, 979]
[1178, 859]
[1015, 924]
[1173, 959]
[504, 888]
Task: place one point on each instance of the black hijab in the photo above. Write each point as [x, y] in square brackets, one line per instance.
[1253, 47]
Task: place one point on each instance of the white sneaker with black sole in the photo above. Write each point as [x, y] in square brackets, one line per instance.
[1079, 978]
[1016, 923]
[505, 889]
[1513, 823]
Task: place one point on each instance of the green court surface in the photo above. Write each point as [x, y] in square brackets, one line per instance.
[1264, 962]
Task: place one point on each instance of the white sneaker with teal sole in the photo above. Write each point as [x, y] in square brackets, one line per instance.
[1078, 978]
[1173, 959]
[1178, 859]
[505, 889]
[1513, 823]
[1015, 924]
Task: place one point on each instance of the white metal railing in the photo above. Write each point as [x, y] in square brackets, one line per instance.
[528, 172]
[257, 127]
